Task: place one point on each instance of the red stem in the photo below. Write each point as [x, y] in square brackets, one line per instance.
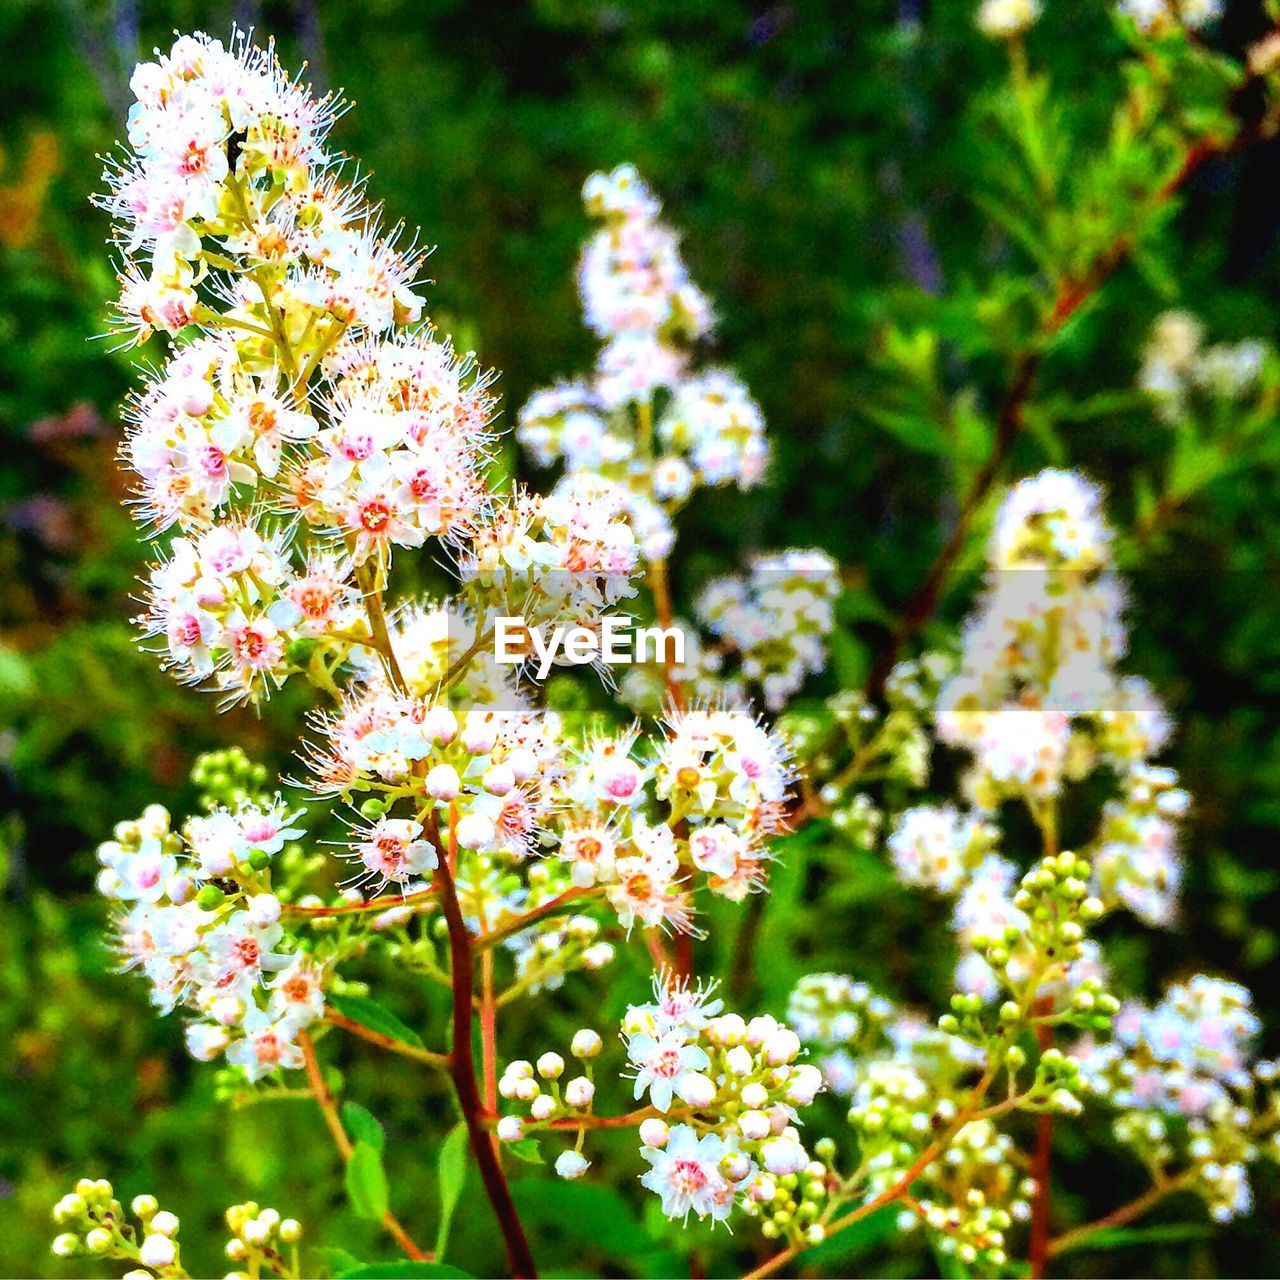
[1041, 1165]
[464, 1071]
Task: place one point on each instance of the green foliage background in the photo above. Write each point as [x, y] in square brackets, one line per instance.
[821, 164]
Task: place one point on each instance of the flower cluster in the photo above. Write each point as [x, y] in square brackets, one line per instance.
[775, 621]
[1037, 695]
[934, 847]
[216, 953]
[306, 424]
[94, 1223]
[734, 1086]
[553, 1102]
[1181, 373]
[1190, 1100]
[638, 298]
[1159, 16]
[697, 812]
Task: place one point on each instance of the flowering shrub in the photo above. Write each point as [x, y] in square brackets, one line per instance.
[310, 431]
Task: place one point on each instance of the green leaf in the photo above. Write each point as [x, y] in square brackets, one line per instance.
[338, 1261]
[362, 1126]
[1126, 1237]
[526, 1149]
[367, 1182]
[452, 1168]
[583, 1213]
[369, 1013]
[404, 1270]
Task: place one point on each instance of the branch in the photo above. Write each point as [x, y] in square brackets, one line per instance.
[1121, 1216]
[898, 1189]
[328, 1108]
[517, 924]
[464, 1071]
[1071, 296]
[357, 908]
[389, 1043]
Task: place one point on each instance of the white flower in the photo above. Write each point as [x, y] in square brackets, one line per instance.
[685, 1173]
[663, 1064]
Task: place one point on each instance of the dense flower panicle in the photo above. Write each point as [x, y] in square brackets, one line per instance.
[1038, 694]
[1186, 1089]
[632, 277]
[225, 148]
[302, 403]
[775, 621]
[713, 420]
[1183, 375]
[644, 426]
[1136, 862]
[223, 958]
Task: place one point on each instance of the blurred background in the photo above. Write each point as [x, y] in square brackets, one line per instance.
[816, 160]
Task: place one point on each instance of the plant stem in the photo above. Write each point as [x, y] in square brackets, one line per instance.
[328, 1108]
[461, 1059]
[389, 1043]
[899, 1188]
[372, 592]
[463, 1067]
[1126, 1213]
[518, 924]
[359, 908]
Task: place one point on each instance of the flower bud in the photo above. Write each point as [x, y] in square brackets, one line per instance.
[522, 763]
[579, 1092]
[754, 1125]
[804, 1085]
[498, 779]
[440, 724]
[739, 1060]
[586, 1043]
[255, 1233]
[570, 1165]
[510, 1129]
[264, 908]
[543, 1107]
[66, 1245]
[479, 735]
[755, 1095]
[551, 1066]
[157, 1252]
[443, 783]
[164, 1223]
[781, 1045]
[654, 1132]
[474, 830]
[98, 1240]
[696, 1089]
[290, 1231]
